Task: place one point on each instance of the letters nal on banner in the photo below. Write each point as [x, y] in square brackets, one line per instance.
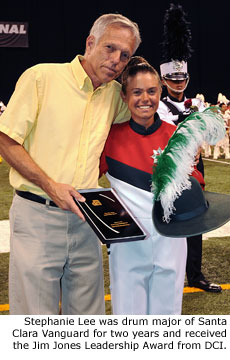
[13, 34]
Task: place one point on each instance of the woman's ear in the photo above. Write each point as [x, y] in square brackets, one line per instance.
[160, 90]
[163, 82]
[123, 96]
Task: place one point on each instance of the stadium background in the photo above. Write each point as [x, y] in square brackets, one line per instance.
[58, 29]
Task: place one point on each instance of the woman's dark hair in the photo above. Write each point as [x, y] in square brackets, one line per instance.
[135, 65]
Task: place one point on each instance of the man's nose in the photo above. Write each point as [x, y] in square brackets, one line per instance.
[116, 57]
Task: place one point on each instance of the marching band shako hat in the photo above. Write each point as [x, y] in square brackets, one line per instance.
[196, 212]
[176, 49]
[181, 208]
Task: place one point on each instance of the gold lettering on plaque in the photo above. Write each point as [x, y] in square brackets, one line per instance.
[96, 203]
[119, 224]
[110, 213]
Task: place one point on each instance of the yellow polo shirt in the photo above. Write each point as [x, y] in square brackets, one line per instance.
[62, 122]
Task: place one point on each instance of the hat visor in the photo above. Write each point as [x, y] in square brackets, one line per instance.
[176, 76]
[217, 214]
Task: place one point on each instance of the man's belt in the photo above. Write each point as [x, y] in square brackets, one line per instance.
[29, 196]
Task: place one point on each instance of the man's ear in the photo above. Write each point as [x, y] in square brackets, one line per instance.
[123, 96]
[90, 43]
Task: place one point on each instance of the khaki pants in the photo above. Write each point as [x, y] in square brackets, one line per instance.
[53, 255]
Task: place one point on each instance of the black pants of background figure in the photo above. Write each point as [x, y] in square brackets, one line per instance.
[194, 259]
[200, 166]
[194, 243]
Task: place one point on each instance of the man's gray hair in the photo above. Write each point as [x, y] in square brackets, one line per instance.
[103, 21]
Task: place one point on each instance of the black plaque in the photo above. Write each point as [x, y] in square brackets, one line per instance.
[108, 216]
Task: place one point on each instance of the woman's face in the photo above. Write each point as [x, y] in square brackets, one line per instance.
[142, 96]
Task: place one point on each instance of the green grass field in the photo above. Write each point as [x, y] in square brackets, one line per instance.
[216, 251]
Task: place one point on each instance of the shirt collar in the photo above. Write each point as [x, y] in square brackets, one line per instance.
[81, 76]
[139, 129]
[175, 99]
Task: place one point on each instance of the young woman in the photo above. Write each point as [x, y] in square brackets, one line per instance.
[146, 276]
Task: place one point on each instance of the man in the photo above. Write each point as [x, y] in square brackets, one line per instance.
[175, 108]
[53, 153]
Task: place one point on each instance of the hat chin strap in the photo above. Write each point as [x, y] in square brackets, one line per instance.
[177, 91]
